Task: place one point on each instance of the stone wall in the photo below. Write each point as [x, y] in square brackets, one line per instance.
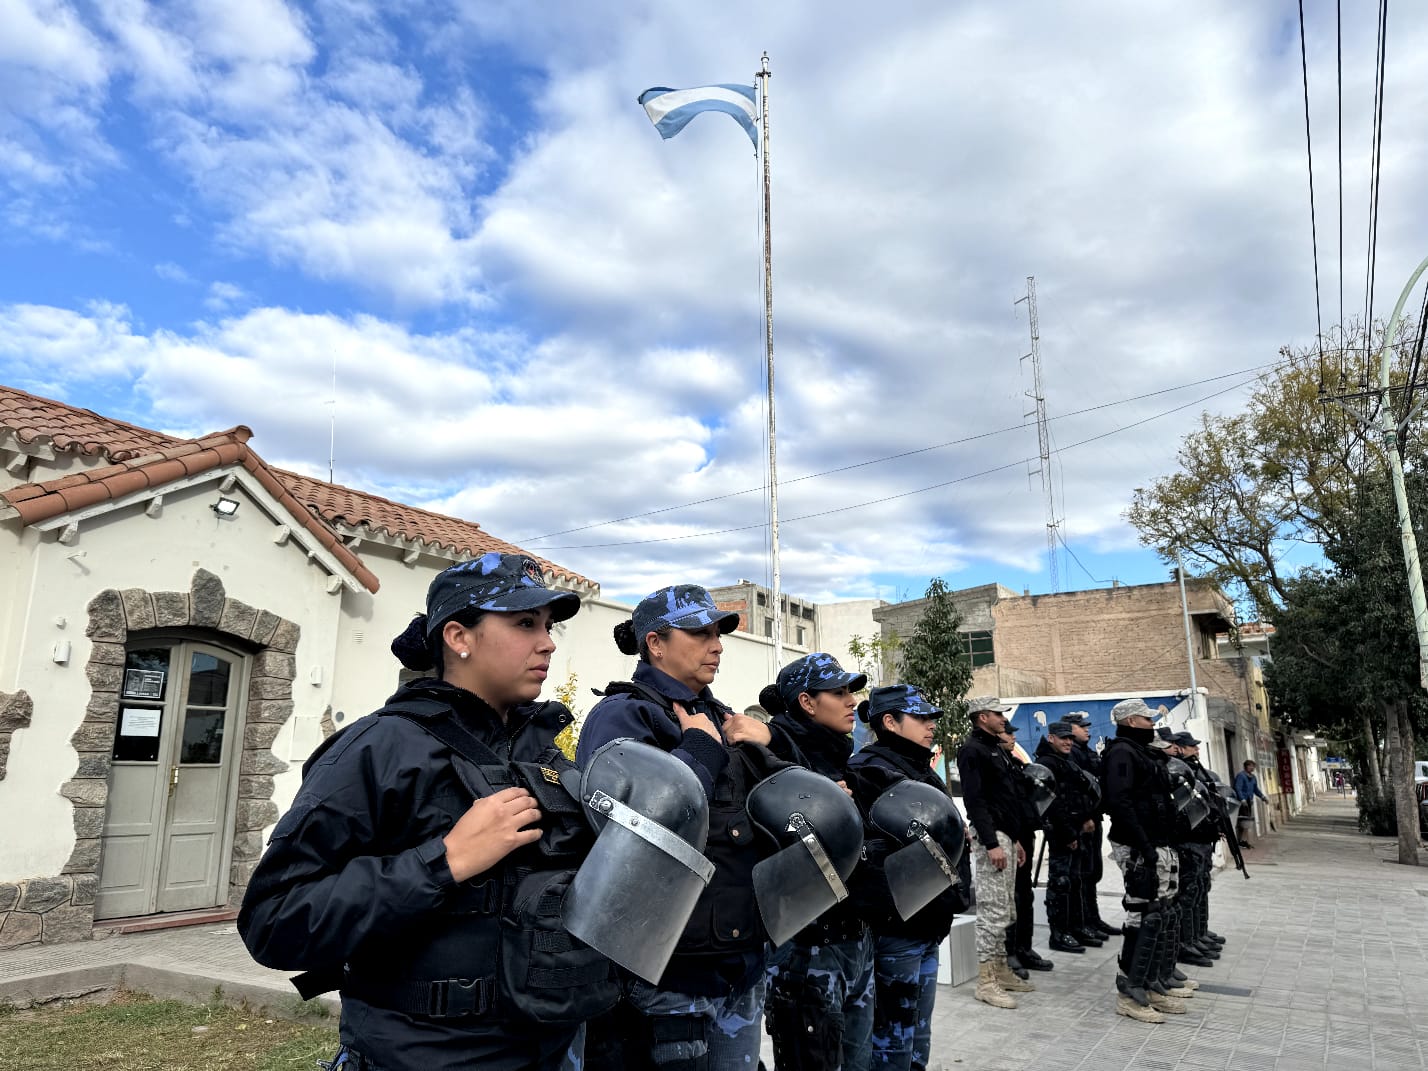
[61, 907]
[16, 709]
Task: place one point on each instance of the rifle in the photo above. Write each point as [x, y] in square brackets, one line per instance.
[1227, 829]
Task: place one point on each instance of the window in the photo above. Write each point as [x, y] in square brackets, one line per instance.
[763, 599]
[800, 636]
[808, 613]
[978, 646]
[768, 627]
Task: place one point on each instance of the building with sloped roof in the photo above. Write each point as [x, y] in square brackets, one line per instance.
[181, 623]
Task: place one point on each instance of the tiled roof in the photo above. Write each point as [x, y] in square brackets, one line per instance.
[33, 419]
[145, 458]
[356, 509]
[35, 502]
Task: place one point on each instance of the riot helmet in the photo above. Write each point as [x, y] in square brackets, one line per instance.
[818, 833]
[928, 825]
[1041, 784]
[653, 820]
[1184, 791]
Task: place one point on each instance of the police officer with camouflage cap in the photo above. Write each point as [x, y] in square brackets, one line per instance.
[820, 1003]
[992, 797]
[1136, 789]
[707, 1009]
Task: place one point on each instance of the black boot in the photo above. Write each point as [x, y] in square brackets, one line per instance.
[1032, 960]
[1064, 942]
[1193, 957]
[1013, 962]
[1089, 938]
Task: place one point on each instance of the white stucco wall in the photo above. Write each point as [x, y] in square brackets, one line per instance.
[126, 549]
[839, 622]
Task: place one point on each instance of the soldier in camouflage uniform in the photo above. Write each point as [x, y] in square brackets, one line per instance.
[992, 799]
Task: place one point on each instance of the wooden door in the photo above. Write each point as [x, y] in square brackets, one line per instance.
[168, 815]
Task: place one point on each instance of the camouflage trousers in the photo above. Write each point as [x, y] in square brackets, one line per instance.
[906, 972]
[1138, 887]
[820, 1004]
[724, 1033]
[996, 899]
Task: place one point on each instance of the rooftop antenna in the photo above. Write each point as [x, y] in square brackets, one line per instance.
[1043, 437]
[332, 424]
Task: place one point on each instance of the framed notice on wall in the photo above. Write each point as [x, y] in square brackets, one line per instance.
[144, 684]
[137, 721]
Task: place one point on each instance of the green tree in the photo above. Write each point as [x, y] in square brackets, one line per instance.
[876, 656]
[935, 659]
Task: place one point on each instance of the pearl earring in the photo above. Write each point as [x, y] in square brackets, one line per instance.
[465, 654]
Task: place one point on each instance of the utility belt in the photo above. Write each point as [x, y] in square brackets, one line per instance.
[833, 931]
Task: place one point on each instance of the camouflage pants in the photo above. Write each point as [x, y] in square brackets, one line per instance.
[731, 1027]
[996, 899]
[906, 973]
[826, 988]
[1167, 880]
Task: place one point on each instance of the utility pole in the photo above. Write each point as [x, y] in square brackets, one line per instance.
[1043, 437]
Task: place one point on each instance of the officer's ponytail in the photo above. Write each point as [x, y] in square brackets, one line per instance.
[771, 701]
[630, 644]
[411, 647]
[865, 712]
[625, 638]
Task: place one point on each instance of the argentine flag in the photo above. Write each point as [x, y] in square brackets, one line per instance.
[671, 109]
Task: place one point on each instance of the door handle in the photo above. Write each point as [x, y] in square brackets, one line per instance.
[173, 779]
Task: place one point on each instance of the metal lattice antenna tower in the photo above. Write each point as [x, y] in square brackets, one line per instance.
[1043, 437]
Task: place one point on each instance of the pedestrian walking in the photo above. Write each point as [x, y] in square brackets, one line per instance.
[385, 880]
[821, 986]
[1247, 790]
[992, 799]
[905, 948]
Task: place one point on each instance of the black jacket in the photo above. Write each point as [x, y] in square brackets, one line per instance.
[871, 772]
[1074, 802]
[722, 949]
[1136, 791]
[356, 874]
[990, 789]
[824, 751]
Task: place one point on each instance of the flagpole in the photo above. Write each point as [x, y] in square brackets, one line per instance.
[763, 77]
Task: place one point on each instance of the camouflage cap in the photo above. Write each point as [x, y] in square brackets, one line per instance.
[988, 702]
[1060, 728]
[681, 606]
[1129, 708]
[817, 672]
[899, 699]
[503, 583]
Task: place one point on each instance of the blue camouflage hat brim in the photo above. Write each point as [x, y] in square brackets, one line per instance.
[495, 583]
[682, 606]
[900, 698]
[816, 672]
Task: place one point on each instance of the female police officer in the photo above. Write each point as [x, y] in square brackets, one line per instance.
[820, 1004]
[905, 949]
[707, 1009]
[384, 879]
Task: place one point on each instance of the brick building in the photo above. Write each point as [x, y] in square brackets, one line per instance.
[1126, 639]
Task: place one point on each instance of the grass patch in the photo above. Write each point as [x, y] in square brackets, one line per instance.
[134, 1032]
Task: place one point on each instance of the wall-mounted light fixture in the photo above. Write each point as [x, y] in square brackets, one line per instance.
[225, 507]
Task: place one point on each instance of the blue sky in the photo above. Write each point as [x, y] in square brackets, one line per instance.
[543, 317]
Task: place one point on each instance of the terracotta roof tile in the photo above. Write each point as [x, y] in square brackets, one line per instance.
[358, 509]
[158, 458]
[39, 420]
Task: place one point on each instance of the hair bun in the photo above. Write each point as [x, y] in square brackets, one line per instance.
[625, 638]
[411, 647]
[771, 701]
[864, 709]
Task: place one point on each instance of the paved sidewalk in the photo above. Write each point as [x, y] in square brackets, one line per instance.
[1327, 967]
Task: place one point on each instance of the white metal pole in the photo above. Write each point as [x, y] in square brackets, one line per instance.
[763, 77]
[1189, 644]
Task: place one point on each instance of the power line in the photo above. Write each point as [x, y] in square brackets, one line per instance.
[1375, 171]
[1093, 578]
[903, 494]
[1309, 150]
[905, 453]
